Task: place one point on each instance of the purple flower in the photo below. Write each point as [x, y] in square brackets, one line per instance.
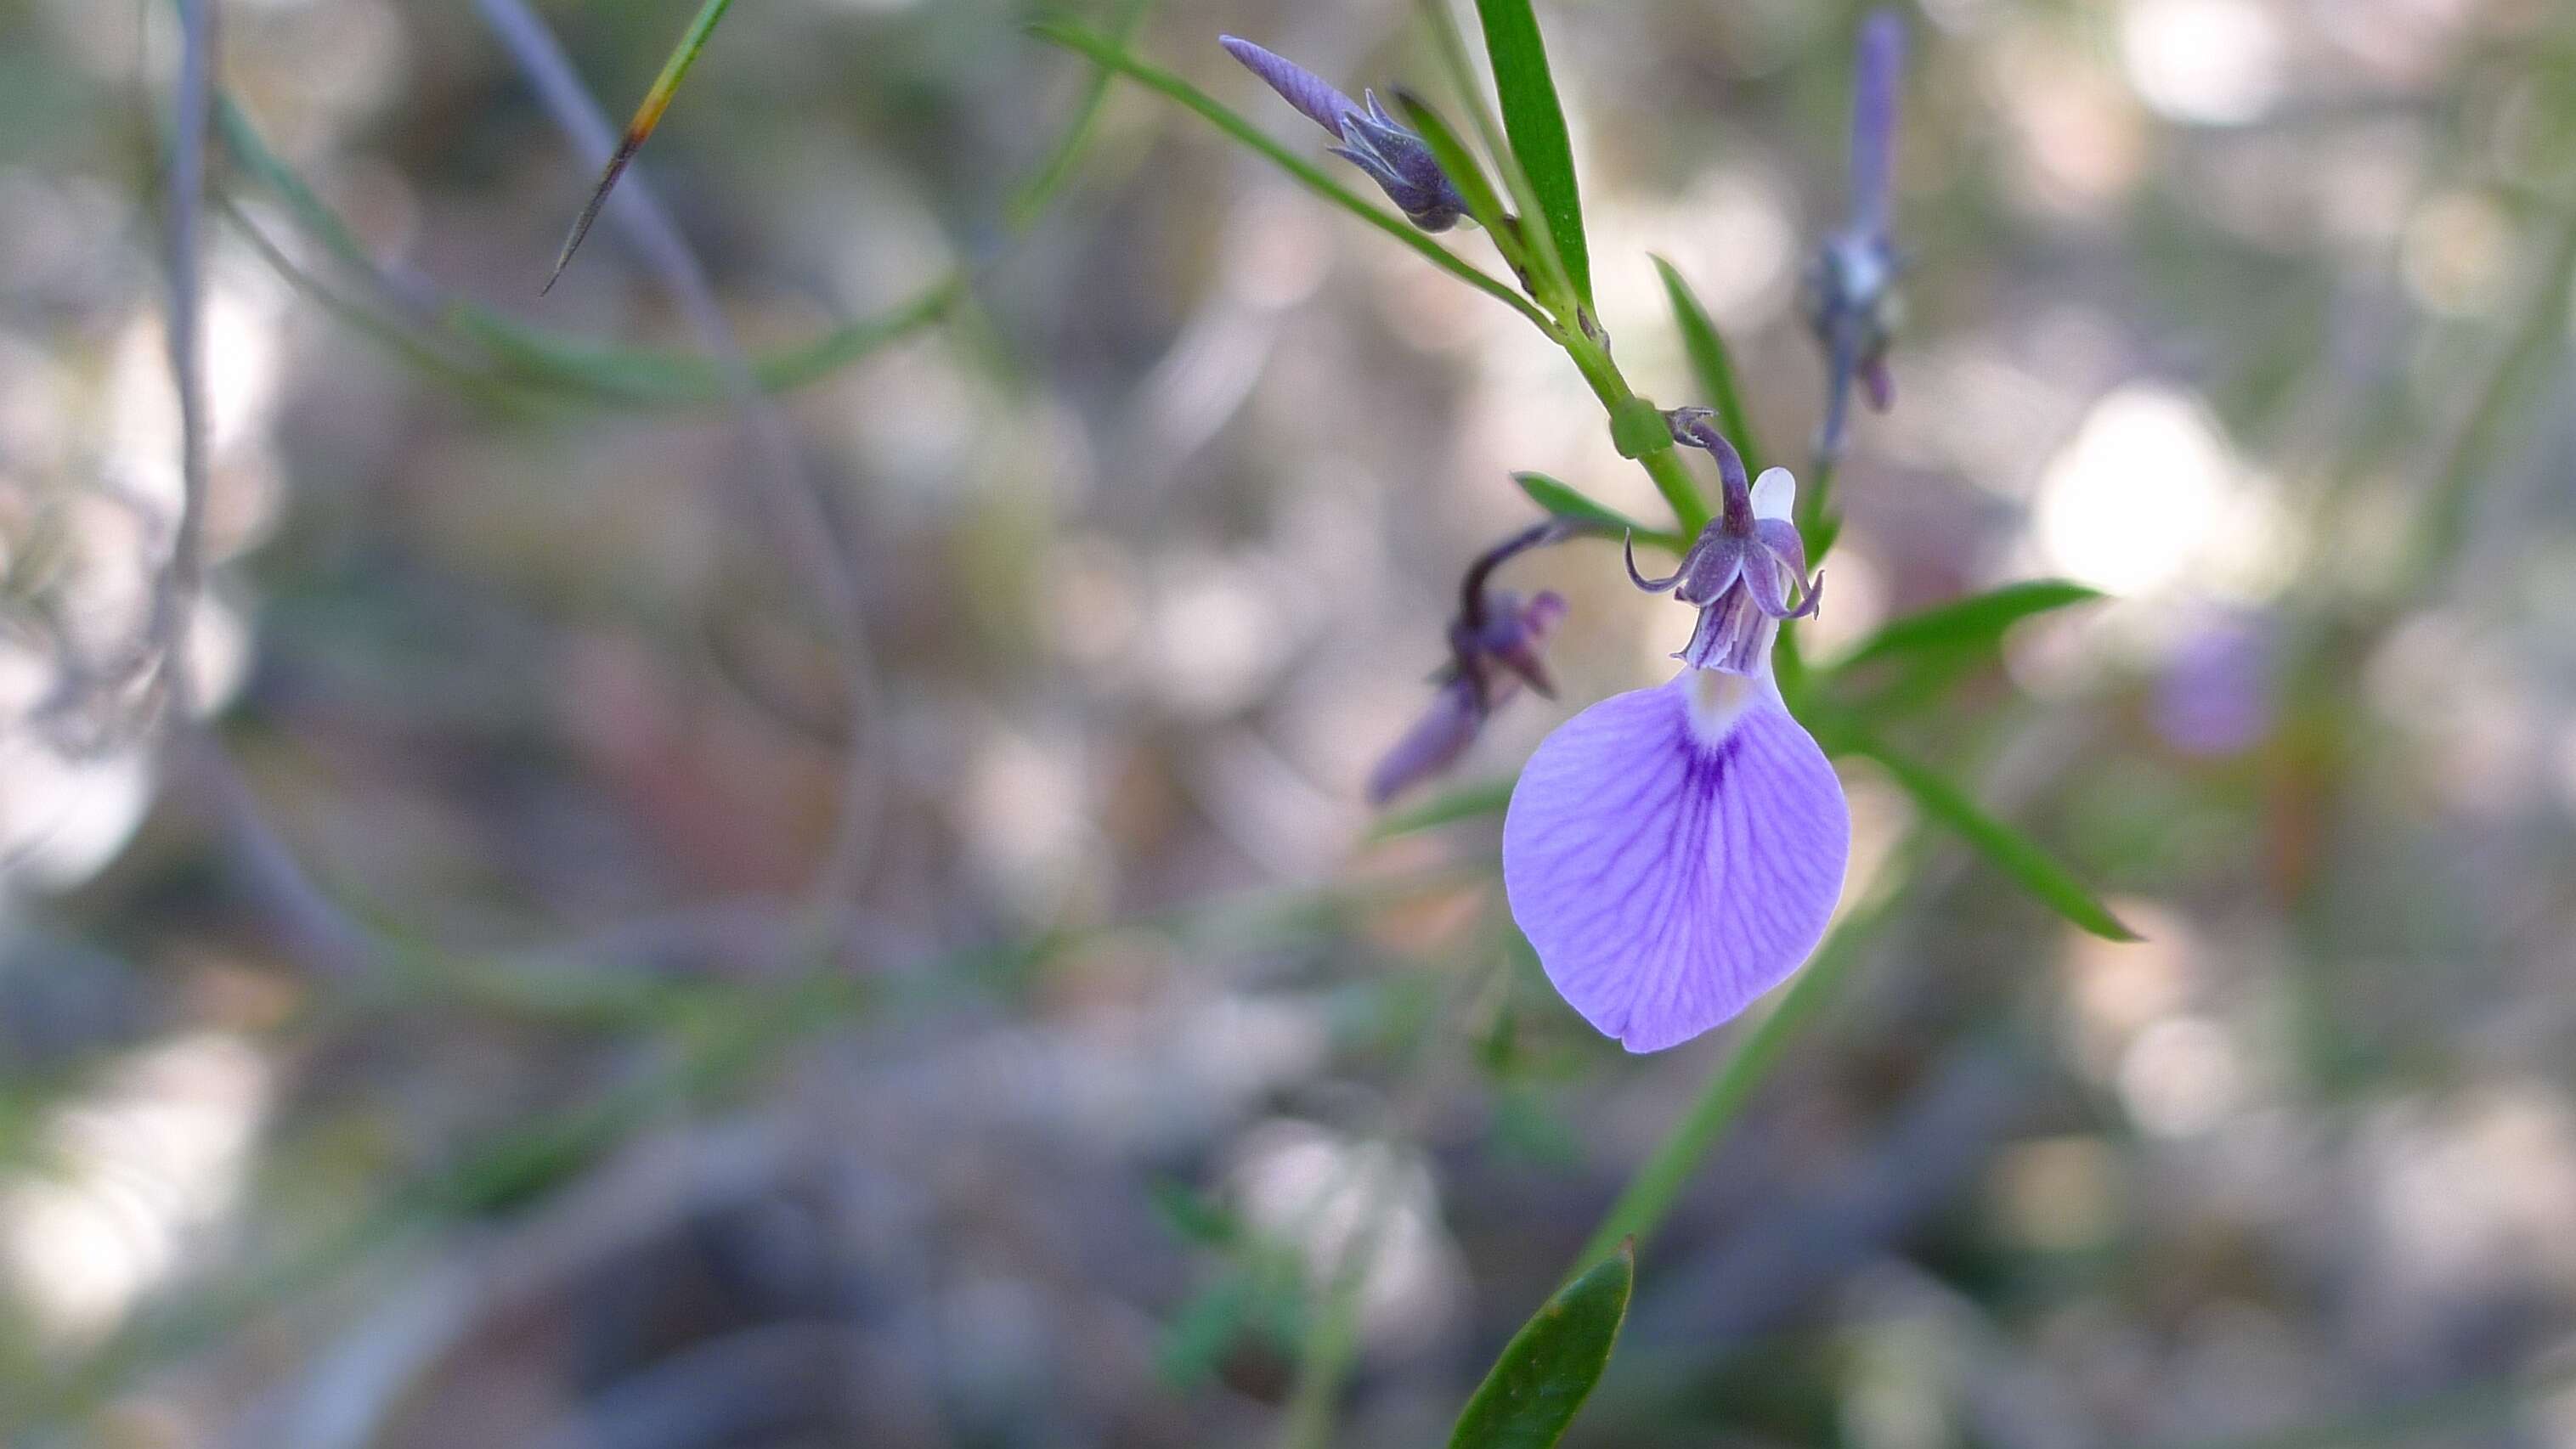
[1852, 301]
[1673, 853]
[1487, 667]
[1494, 648]
[1744, 565]
[2215, 697]
[1395, 158]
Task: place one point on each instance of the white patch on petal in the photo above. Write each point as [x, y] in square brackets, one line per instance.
[1718, 700]
[1775, 494]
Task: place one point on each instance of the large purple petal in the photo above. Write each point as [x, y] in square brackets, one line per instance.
[1669, 871]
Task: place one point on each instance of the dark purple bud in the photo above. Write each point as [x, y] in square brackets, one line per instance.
[1394, 158]
[1878, 75]
[1851, 286]
[1298, 86]
[1402, 166]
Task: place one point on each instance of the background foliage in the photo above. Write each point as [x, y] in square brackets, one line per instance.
[476, 1047]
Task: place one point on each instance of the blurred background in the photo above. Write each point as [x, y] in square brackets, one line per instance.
[445, 1044]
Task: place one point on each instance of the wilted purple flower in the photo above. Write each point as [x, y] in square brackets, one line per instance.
[1494, 649]
[1395, 158]
[1673, 853]
[1852, 300]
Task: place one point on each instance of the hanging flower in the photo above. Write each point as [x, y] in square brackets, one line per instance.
[1494, 649]
[1673, 853]
[1395, 158]
[1852, 302]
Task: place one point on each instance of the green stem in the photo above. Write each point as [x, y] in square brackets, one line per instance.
[2542, 331]
[1663, 465]
[1652, 1192]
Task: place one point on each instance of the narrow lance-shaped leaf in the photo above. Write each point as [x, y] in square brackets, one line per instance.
[639, 377]
[640, 129]
[1551, 1365]
[1542, 271]
[2017, 855]
[1711, 365]
[1536, 124]
[1975, 622]
[1566, 502]
[1154, 78]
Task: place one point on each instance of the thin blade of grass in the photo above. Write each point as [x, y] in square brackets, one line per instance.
[2017, 855]
[1535, 122]
[641, 377]
[1711, 365]
[640, 128]
[1658, 1184]
[1154, 78]
[799, 513]
[428, 326]
[1031, 200]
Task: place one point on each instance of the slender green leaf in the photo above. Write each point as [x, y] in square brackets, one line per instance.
[1154, 78]
[1975, 622]
[422, 350]
[2017, 855]
[1563, 501]
[478, 347]
[640, 377]
[1711, 366]
[1543, 271]
[1550, 1366]
[1657, 1185]
[1536, 124]
[1031, 200]
[1464, 171]
[640, 128]
[245, 148]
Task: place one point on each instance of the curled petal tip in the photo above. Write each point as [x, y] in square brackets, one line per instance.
[1653, 586]
[1815, 599]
